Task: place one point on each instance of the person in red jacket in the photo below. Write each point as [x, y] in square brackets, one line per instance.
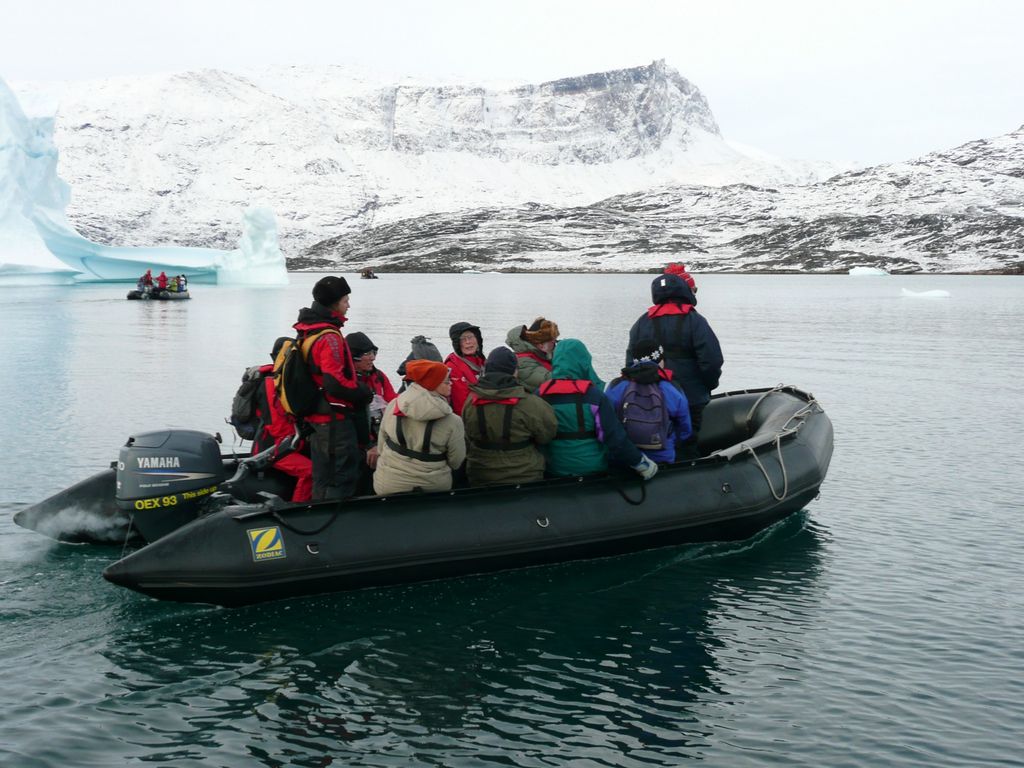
[334, 445]
[466, 362]
[161, 281]
[277, 429]
[364, 355]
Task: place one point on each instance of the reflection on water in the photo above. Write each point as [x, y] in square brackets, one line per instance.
[599, 660]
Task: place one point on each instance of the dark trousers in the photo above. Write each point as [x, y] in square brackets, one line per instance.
[334, 450]
[687, 449]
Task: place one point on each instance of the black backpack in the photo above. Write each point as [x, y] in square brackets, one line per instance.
[244, 411]
[643, 413]
[298, 393]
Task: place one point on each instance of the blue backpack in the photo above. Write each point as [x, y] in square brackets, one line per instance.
[643, 413]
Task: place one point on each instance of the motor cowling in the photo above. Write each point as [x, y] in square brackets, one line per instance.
[164, 477]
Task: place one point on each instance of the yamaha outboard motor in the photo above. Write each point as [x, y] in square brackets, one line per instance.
[164, 477]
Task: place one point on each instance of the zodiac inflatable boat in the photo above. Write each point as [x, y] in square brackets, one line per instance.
[764, 455]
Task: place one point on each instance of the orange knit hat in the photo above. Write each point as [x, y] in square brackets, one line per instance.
[427, 373]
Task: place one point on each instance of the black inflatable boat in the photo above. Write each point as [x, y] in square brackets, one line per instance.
[764, 456]
[158, 295]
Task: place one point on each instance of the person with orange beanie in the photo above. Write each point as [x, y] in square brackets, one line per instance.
[421, 439]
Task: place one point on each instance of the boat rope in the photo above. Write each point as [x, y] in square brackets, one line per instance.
[637, 502]
[782, 464]
[750, 414]
[127, 535]
[334, 516]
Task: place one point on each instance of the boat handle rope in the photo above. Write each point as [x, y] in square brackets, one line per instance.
[274, 513]
[638, 502]
[782, 463]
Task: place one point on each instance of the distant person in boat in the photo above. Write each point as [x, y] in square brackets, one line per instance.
[466, 362]
[173, 286]
[161, 281]
[690, 347]
[589, 435]
[182, 283]
[421, 440]
[652, 409]
[533, 346]
[364, 355]
[147, 281]
[679, 269]
[334, 445]
[505, 425]
[277, 427]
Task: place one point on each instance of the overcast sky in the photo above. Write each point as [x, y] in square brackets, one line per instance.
[832, 80]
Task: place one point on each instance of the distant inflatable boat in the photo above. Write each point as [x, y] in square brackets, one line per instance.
[158, 295]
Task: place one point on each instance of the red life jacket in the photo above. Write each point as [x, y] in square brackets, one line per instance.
[569, 391]
[546, 364]
[660, 310]
[564, 387]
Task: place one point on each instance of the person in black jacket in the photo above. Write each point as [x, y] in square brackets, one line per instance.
[691, 349]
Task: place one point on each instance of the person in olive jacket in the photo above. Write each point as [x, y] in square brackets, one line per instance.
[504, 425]
[533, 347]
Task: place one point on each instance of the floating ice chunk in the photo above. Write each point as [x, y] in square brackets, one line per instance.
[924, 294]
[258, 259]
[867, 272]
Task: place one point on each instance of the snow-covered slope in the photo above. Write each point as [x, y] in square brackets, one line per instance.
[961, 210]
[333, 151]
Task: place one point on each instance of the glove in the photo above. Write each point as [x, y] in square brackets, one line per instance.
[646, 468]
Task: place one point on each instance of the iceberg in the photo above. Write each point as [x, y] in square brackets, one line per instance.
[867, 272]
[936, 294]
[39, 245]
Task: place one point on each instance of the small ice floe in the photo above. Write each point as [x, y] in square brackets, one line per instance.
[924, 294]
[867, 272]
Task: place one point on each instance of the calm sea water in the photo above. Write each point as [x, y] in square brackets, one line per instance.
[881, 627]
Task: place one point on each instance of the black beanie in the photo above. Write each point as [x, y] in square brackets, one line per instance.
[328, 290]
[277, 346]
[501, 360]
[456, 331]
[359, 344]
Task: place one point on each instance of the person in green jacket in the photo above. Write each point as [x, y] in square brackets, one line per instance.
[533, 346]
[505, 425]
[590, 434]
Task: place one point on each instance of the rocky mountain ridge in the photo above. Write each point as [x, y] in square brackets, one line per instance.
[956, 211]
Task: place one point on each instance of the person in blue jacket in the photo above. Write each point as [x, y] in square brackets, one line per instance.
[654, 420]
[691, 349]
[589, 433]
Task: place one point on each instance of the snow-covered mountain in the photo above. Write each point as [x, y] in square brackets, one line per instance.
[955, 211]
[172, 158]
[618, 170]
